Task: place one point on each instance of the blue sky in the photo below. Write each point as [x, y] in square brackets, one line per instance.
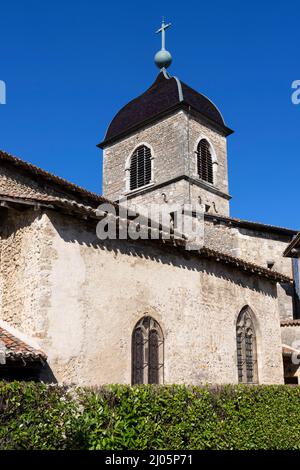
[70, 65]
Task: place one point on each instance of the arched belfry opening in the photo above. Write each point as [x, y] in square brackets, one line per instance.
[140, 167]
[205, 161]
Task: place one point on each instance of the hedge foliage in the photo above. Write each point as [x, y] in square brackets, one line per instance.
[36, 416]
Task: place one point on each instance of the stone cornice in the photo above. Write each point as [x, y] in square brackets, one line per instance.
[200, 183]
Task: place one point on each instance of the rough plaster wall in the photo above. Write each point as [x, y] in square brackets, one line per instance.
[24, 269]
[100, 291]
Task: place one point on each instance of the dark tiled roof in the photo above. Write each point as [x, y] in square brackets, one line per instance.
[292, 251]
[258, 226]
[162, 96]
[290, 322]
[202, 104]
[42, 176]
[16, 349]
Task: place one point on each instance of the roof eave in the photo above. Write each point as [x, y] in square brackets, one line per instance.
[180, 105]
[293, 249]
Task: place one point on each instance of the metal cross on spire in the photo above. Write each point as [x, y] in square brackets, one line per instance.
[162, 30]
[163, 57]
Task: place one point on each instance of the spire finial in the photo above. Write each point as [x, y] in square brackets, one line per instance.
[163, 57]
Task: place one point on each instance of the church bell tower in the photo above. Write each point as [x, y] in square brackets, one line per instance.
[167, 146]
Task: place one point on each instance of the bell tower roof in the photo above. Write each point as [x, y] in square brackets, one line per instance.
[163, 97]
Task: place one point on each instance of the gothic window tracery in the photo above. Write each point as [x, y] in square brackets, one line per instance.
[147, 352]
[246, 347]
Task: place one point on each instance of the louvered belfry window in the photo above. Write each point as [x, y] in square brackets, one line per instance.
[246, 347]
[140, 167]
[204, 161]
[147, 352]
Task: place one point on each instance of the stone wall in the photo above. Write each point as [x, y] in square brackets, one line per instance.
[83, 297]
[252, 245]
[257, 247]
[197, 131]
[167, 140]
[24, 268]
[215, 202]
[173, 142]
[175, 194]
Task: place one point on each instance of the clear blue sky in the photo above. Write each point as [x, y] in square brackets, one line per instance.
[70, 65]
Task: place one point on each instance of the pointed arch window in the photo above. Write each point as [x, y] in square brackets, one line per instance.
[140, 167]
[204, 161]
[147, 352]
[246, 347]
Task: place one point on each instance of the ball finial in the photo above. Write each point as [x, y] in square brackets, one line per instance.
[163, 59]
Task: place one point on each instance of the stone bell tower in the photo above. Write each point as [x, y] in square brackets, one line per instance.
[168, 145]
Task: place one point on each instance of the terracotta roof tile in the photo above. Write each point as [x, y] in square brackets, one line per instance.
[52, 181]
[18, 349]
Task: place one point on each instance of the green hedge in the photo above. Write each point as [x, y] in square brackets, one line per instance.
[36, 416]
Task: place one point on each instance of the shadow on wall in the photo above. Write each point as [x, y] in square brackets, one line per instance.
[46, 375]
[28, 373]
[82, 232]
[13, 220]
